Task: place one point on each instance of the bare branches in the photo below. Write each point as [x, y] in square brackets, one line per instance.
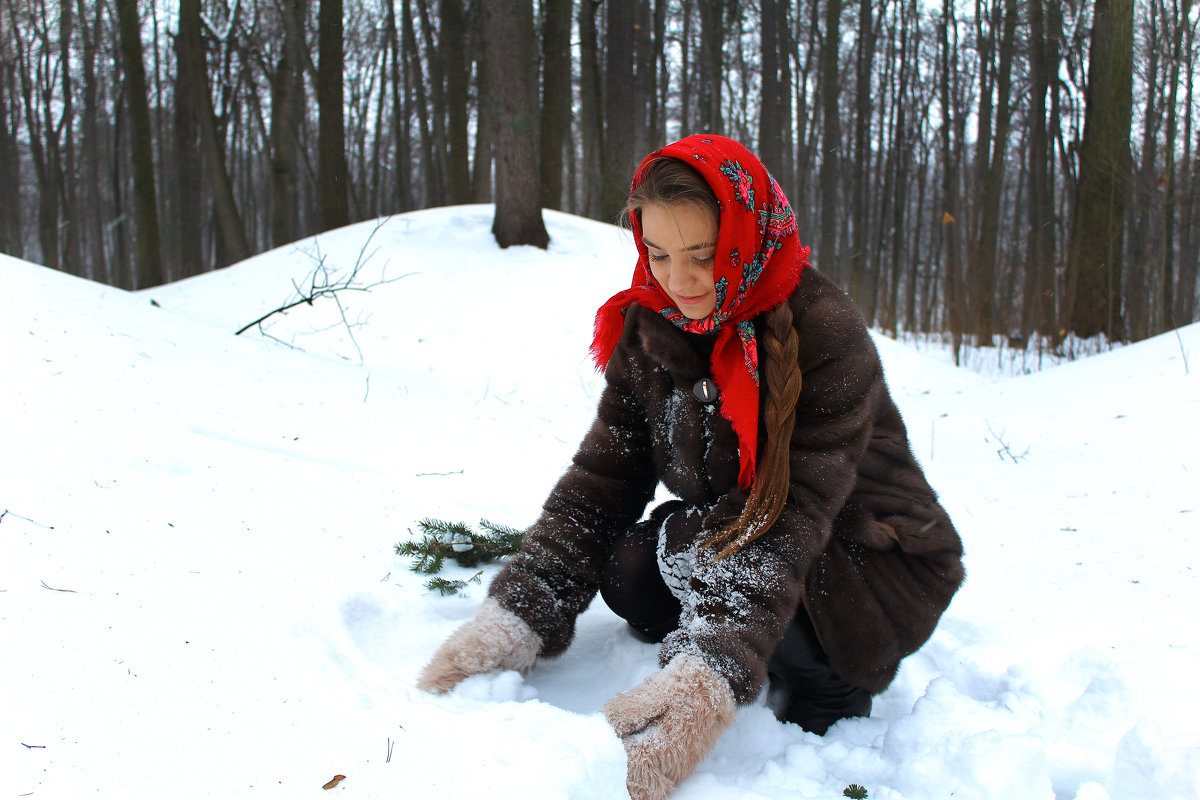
[323, 282]
[1005, 450]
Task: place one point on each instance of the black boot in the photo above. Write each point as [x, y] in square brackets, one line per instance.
[804, 689]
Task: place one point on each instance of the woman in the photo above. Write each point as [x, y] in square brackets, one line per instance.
[805, 547]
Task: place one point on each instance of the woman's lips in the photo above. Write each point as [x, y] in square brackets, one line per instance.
[691, 301]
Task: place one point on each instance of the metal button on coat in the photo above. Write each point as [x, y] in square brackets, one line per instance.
[705, 391]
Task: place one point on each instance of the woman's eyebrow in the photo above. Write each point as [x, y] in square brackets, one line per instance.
[704, 246]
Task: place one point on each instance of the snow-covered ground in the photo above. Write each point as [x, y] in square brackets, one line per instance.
[199, 597]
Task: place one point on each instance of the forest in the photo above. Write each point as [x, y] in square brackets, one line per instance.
[993, 170]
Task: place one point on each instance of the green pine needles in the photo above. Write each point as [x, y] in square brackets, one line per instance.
[441, 540]
[855, 792]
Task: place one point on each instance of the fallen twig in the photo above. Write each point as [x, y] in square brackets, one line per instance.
[1004, 449]
[51, 588]
[33, 746]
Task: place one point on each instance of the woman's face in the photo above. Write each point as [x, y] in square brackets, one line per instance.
[681, 241]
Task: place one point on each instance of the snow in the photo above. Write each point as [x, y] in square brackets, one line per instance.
[198, 594]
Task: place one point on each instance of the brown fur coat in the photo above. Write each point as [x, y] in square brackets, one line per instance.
[862, 547]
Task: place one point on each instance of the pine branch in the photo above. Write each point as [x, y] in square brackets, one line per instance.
[441, 540]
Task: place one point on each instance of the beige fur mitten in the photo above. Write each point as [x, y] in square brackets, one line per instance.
[494, 639]
[669, 723]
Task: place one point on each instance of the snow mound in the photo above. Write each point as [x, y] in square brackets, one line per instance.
[198, 590]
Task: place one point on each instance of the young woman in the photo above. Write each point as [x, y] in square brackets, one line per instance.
[805, 551]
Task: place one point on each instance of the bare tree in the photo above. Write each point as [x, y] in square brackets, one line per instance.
[148, 264]
[333, 175]
[1097, 236]
[508, 46]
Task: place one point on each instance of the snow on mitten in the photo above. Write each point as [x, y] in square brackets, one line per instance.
[494, 639]
[669, 723]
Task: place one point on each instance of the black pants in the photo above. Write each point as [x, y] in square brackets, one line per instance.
[803, 687]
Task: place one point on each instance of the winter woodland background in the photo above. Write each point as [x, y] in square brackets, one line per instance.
[1003, 171]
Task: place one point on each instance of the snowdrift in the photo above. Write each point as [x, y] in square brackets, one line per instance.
[198, 595]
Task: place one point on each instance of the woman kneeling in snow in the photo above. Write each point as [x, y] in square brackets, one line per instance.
[818, 559]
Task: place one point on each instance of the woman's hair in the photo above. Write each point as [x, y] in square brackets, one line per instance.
[670, 181]
[772, 466]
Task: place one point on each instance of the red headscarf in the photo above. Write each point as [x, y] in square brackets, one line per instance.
[757, 266]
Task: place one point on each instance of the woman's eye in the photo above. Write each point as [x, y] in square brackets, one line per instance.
[659, 256]
[704, 260]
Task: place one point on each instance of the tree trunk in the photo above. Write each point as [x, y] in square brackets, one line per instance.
[556, 97]
[148, 258]
[862, 290]
[71, 212]
[481, 170]
[950, 214]
[10, 168]
[189, 226]
[1097, 235]
[436, 98]
[712, 73]
[235, 244]
[287, 112]
[333, 173]
[511, 80]
[620, 113]
[770, 122]
[1038, 302]
[827, 256]
[590, 105]
[454, 56]
[1172, 308]
[429, 166]
[983, 267]
[401, 128]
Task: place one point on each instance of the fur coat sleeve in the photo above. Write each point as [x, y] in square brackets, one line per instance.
[555, 575]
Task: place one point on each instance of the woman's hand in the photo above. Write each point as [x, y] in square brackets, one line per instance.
[494, 639]
[669, 723]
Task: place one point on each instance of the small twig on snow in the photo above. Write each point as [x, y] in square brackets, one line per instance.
[33, 746]
[431, 474]
[1005, 449]
[320, 284]
[51, 588]
[1179, 338]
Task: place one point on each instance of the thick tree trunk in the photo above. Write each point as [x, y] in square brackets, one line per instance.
[189, 225]
[984, 256]
[10, 170]
[235, 244]
[1097, 235]
[508, 45]
[556, 97]
[333, 173]
[620, 113]
[712, 72]
[287, 110]
[148, 259]
[770, 121]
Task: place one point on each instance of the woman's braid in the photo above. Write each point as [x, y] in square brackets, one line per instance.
[772, 479]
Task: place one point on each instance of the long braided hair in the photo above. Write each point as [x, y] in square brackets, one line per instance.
[670, 182]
